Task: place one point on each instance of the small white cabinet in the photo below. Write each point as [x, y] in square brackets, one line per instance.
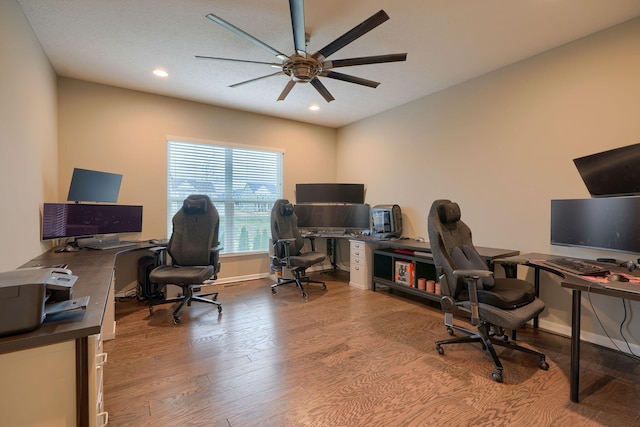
[360, 261]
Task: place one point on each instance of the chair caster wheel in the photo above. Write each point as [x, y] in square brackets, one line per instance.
[219, 309]
[176, 320]
[496, 376]
[324, 287]
[450, 330]
[439, 349]
[273, 291]
[543, 365]
[304, 295]
[150, 309]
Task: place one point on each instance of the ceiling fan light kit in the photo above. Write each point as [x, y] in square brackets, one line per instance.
[304, 68]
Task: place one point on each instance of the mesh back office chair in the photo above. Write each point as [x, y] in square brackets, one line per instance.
[194, 252]
[287, 245]
[469, 288]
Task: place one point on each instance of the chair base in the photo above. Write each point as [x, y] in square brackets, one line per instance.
[488, 339]
[297, 279]
[188, 297]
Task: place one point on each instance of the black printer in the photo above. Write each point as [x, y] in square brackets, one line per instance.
[28, 295]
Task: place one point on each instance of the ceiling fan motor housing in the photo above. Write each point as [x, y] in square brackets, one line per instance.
[301, 69]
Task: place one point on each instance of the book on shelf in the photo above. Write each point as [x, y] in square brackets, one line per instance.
[404, 273]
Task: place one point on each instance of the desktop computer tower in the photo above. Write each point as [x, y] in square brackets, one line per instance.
[146, 290]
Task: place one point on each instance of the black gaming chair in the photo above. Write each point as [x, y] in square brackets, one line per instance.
[287, 245]
[469, 288]
[194, 252]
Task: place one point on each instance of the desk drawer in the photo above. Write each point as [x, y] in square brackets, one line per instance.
[357, 245]
[358, 274]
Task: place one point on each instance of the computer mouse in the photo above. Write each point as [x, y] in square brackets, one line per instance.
[617, 278]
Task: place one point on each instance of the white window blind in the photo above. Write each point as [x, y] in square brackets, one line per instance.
[243, 183]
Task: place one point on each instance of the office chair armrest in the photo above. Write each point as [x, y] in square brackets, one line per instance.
[214, 260]
[468, 273]
[159, 254]
[472, 277]
[286, 244]
[511, 266]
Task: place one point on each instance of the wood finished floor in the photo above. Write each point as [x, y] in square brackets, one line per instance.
[344, 357]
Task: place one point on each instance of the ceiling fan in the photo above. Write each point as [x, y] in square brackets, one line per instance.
[303, 67]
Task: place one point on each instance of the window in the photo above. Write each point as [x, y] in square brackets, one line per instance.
[242, 182]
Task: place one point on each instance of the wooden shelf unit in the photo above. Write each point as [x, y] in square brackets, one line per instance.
[384, 261]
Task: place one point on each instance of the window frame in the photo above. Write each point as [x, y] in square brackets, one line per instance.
[228, 206]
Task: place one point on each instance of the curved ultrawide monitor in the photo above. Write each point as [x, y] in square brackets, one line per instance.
[332, 217]
[65, 220]
[610, 223]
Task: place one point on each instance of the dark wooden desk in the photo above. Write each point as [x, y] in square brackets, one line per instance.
[577, 284]
[94, 269]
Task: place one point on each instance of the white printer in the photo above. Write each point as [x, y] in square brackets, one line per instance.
[28, 295]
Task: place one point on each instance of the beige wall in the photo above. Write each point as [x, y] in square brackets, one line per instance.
[502, 146]
[28, 137]
[124, 131]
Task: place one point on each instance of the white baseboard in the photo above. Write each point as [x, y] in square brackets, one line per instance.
[225, 280]
[614, 343]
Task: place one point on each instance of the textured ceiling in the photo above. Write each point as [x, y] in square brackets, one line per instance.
[119, 43]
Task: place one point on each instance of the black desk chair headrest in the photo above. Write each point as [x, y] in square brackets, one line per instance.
[448, 212]
[286, 209]
[195, 205]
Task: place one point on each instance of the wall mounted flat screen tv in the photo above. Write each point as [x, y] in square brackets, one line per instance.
[65, 220]
[332, 217]
[94, 186]
[610, 223]
[330, 193]
[611, 173]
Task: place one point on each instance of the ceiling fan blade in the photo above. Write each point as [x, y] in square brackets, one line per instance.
[350, 79]
[351, 35]
[297, 23]
[239, 60]
[246, 36]
[322, 90]
[286, 90]
[257, 78]
[365, 60]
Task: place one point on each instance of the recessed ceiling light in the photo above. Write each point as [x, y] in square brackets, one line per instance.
[314, 107]
[160, 73]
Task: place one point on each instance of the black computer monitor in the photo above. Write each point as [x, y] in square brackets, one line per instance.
[94, 186]
[66, 220]
[611, 223]
[332, 217]
[611, 173]
[329, 193]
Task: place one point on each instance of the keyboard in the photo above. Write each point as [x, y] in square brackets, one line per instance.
[577, 267]
[103, 246]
